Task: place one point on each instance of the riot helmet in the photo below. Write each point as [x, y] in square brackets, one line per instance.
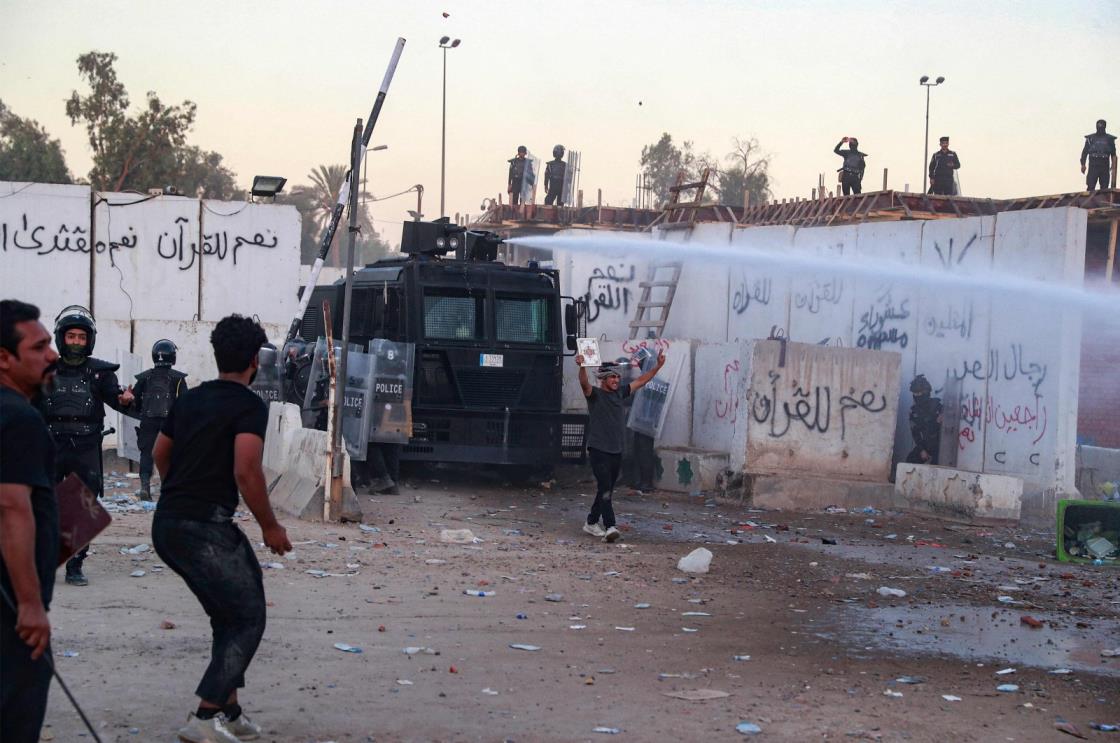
[163, 352]
[558, 151]
[1101, 125]
[921, 387]
[853, 143]
[268, 355]
[75, 317]
[522, 150]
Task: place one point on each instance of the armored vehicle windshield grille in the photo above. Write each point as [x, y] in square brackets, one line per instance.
[453, 315]
[522, 319]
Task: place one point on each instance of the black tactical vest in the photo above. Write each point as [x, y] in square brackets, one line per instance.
[159, 391]
[70, 407]
[1100, 145]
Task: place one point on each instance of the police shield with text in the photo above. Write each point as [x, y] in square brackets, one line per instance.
[554, 173]
[1100, 153]
[156, 390]
[851, 172]
[74, 408]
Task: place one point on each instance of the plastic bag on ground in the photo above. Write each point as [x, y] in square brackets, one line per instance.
[696, 561]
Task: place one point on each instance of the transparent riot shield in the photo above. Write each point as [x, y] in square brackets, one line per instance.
[391, 413]
[651, 403]
[317, 396]
[269, 382]
[356, 408]
[529, 181]
[570, 175]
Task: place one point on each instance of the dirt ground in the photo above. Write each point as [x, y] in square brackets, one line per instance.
[790, 628]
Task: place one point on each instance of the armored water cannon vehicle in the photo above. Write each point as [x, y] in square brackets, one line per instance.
[487, 343]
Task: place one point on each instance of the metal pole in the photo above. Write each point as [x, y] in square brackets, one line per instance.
[925, 152]
[340, 394]
[443, 148]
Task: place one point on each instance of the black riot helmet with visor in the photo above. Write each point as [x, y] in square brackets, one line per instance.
[164, 352]
[75, 317]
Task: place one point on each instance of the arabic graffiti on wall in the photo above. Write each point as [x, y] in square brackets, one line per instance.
[812, 406]
[608, 289]
[177, 244]
[878, 323]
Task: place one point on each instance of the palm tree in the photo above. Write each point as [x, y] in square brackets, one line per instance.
[316, 204]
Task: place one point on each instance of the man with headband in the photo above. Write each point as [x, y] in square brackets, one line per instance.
[606, 432]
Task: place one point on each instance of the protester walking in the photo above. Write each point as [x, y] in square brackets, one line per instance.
[606, 433]
[209, 449]
[29, 531]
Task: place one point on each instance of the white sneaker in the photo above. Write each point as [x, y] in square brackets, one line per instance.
[612, 535]
[206, 731]
[594, 530]
[242, 728]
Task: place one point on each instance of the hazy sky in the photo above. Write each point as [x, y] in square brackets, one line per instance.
[278, 84]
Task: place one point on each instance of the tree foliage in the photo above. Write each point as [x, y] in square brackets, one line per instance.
[27, 152]
[143, 149]
[315, 203]
[747, 170]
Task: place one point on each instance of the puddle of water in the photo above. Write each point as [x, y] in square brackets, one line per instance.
[973, 633]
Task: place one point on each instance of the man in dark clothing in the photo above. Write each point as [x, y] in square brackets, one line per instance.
[519, 168]
[925, 423]
[1100, 151]
[942, 167]
[74, 407]
[209, 448]
[554, 173]
[851, 172]
[29, 532]
[606, 430]
[155, 391]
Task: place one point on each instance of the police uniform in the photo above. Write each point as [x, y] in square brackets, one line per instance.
[554, 173]
[156, 390]
[517, 168]
[1099, 149]
[925, 423]
[851, 172]
[74, 408]
[941, 168]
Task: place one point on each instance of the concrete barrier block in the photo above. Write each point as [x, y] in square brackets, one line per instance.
[283, 419]
[959, 495]
[299, 491]
[686, 470]
[788, 493]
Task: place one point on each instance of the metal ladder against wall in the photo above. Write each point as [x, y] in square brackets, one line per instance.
[643, 318]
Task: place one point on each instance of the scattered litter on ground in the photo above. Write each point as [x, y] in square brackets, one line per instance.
[1008, 688]
[910, 680]
[858, 576]
[404, 682]
[489, 692]
[521, 646]
[1068, 728]
[1005, 671]
[1113, 653]
[325, 574]
[137, 550]
[347, 648]
[697, 561]
[625, 629]
[577, 626]
[740, 657]
[895, 592]
[689, 629]
[892, 693]
[748, 728]
[950, 698]
[478, 593]
[69, 653]
[435, 561]
[554, 597]
[606, 730]
[1105, 727]
[641, 606]
[696, 695]
[458, 536]
[137, 574]
[273, 565]
[417, 650]
[167, 624]
[369, 529]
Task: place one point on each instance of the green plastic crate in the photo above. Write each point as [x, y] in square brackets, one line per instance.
[1086, 511]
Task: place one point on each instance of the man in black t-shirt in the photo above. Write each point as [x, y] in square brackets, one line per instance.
[208, 450]
[28, 523]
[606, 431]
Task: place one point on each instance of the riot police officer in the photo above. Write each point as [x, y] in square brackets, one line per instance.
[74, 408]
[554, 173]
[851, 172]
[925, 423]
[519, 168]
[155, 391]
[942, 167]
[1100, 151]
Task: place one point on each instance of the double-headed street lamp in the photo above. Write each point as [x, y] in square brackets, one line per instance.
[445, 43]
[924, 81]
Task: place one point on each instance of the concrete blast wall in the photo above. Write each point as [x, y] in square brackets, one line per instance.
[1006, 365]
[149, 267]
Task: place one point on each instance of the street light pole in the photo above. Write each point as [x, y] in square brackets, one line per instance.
[365, 168]
[924, 81]
[444, 45]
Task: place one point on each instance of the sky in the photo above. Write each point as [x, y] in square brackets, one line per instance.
[280, 84]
